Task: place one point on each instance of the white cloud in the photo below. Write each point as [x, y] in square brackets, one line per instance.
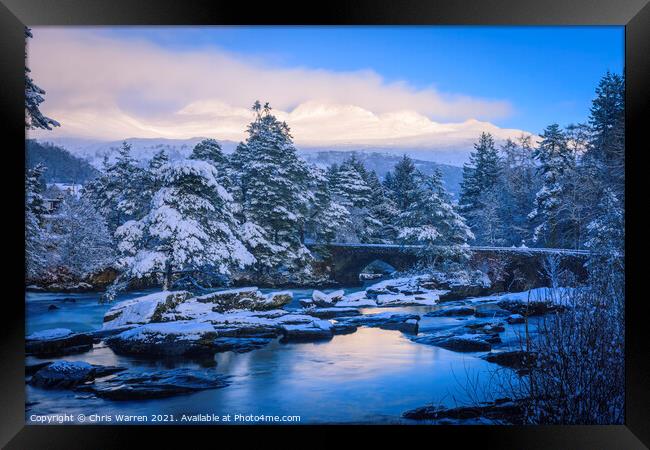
[104, 88]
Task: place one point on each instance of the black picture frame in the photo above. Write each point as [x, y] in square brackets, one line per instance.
[14, 14]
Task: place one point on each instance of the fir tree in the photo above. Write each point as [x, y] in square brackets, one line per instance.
[272, 185]
[432, 221]
[607, 123]
[84, 243]
[120, 194]
[33, 98]
[402, 183]
[478, 191]
[190, 227]
[556, 161]
[35, 235]
[382, 212]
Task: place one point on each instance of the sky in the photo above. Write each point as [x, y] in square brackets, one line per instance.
[416, 87]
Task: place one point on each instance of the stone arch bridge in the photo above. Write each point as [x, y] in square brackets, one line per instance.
[346, 261]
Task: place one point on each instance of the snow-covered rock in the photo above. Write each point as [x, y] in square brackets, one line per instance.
[469, 342]
[148, 385]
[331, 313]
[167, 338]
[145, 309]
[68, 374]
[407, 323]
[57, 342]
[515, 318]
[53, 333]
[322, 299]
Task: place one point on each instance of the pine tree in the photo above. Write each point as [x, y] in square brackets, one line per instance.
[120, 194]
[326, 217]
[402, 183]
[84, 243]
[189, 228]
[33, 98]
[556, 161]
[516, 190]
[272, 186]
[209, 150]
[607, 123]
[35, 235]
[382, 212]
[479, 191]
[432, 221]
[350, 190]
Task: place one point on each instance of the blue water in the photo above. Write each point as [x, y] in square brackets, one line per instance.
[371, 376]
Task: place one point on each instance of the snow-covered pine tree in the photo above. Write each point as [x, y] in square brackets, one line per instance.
[607, 122]
[84, 243]
[431, 221]
[121, 192]
[479, 191]
[35, 241]
[33, 98]
[517, 190]
[382, 213]
[325, 218]
[209, 150]
[350, 189]
[272, 186]
[555, 162]
[402, 184]
[189, 228]
[349, 186]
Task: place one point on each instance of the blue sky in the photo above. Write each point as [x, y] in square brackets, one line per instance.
[547, 73]
[417, 89]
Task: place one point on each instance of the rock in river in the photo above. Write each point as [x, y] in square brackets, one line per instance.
[502, 410]
[165, 339]
[68, 374]
[57, 342]
[407, 323]
[449, 312]
[148, 385]
[460, 343]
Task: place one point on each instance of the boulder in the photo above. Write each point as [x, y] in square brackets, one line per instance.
[515, 359]
[150, 385]
[331, 313]
[459, 343]
[505, 411]
[486, 327]
[145, 309]
[449, 312]
[165, 339]
[491, 311]
[315, 331]
[407, 323]
[515, 318]
[239, 344]
[68, 374]
[57, 342]
[52, 307]
[324, 300]
[249, 298]
[532, 308]
[276, 300]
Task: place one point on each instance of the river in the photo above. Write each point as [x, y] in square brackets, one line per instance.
[370, 376]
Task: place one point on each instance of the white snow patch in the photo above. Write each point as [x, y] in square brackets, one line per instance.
[53, 333]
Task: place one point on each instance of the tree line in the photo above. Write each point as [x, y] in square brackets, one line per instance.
[255, 209]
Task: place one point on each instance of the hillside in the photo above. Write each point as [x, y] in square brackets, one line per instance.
[62, 166]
